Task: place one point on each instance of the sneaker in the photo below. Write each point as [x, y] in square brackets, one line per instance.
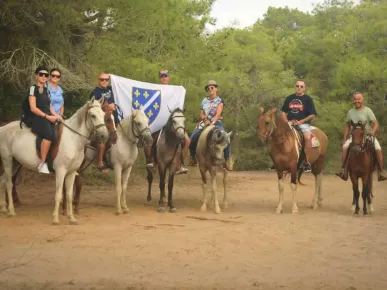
[307, 167]
[182, 170]
[341, 175]
[42, 168]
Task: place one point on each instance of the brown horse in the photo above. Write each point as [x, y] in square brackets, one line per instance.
[284, 144]
[361, 164]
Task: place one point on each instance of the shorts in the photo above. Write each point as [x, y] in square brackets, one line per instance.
[348, 142]
[43, 128]
[305, 128]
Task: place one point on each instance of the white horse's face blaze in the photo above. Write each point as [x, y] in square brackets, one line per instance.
[141, 125]
[178, 123]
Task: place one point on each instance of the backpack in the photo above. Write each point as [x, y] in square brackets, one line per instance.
[27, 115]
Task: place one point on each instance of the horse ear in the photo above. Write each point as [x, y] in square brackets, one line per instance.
[228, 135]
[261, 110]
[102, 100]
[92, 100]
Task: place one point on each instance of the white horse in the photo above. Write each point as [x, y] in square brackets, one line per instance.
[19, 144]
[122, 155]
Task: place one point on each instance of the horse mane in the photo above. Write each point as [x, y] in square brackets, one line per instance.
[80, 112]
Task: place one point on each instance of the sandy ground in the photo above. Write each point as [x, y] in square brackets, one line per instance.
[245, 247]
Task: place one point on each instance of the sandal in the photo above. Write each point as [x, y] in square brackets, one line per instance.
[102, 168]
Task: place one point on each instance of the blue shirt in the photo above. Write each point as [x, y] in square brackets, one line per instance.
[56, 98]
[211, 106]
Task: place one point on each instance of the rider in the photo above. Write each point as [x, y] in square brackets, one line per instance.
[104, 90]
[299, 109]
[365, 115]
[211, 111]
[56, 92]
[164, 80]
[44, 115]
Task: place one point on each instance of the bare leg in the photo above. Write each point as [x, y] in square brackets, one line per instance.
[44, 147]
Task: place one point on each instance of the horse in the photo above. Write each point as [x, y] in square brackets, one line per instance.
[19, 144]
[166, 154]
[284, 146]
[209, 154]
[120, 158]
[361, 163]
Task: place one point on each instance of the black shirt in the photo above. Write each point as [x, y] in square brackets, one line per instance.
[43, 101]
[298, 107]
[107, 93]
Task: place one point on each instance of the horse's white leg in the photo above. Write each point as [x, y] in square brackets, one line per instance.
[317, 187]
[60, 176]
[320, 195]
[214, 192]
[225, 176]
[7, 165]
[118, 186]
[280, 194]
[69, 182]
[3, 190]
[125, 178]
[293, 186]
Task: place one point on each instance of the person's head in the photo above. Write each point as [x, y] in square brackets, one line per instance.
[55, 75]
[41, 74]
[211, 88]
[103, 80]
[164, 76]
[358, 100]
[300, 87]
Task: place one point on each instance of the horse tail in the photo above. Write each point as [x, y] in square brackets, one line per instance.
[299, 174]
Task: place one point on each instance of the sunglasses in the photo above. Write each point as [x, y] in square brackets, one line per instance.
[298, 86]
[104, 80]
[164, 76]
[210, 88]
[43, 74]
[55, 76]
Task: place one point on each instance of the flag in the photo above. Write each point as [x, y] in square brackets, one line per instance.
[157, 100]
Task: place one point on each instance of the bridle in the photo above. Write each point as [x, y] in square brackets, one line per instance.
[135, 128]
[179, 127]
[365, 144]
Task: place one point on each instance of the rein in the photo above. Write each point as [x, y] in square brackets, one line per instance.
[134, 126]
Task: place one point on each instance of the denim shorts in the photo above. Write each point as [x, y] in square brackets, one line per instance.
[305, 128]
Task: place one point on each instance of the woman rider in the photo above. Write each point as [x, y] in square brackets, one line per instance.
[56, 92]
[44, 115]
[211, 111]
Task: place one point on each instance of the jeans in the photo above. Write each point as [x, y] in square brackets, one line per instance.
[192, 147]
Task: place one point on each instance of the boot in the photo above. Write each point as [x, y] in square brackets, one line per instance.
[382, 175]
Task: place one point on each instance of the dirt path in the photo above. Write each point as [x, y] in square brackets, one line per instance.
[246, 247]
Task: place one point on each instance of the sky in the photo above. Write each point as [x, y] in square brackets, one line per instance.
[246, 12]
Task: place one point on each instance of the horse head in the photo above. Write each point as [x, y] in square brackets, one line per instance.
[140, 126]
[95, 119]
[266, 123]
[176, 124]
[216, 143]
[358, 132]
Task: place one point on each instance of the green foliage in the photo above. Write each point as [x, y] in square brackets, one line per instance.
[340, 48]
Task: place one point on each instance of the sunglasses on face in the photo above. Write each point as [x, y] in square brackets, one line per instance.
[210, 88]
[104, 80]
[41, 74]
[55, 76]
[299, 86]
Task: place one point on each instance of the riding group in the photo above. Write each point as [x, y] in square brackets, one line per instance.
[46, 141]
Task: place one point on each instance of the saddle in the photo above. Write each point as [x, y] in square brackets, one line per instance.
[53, 151]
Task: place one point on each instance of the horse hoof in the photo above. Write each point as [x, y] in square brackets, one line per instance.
[315, 206]
[172, 210]
[161, 209]
[126, 211]
[73, 222]
[118, 212]
[11, 214]
[203, 208]
[356, 214]
[55, 223]
[149, 199]
[278, 211]
[217, 210]
[295, 211]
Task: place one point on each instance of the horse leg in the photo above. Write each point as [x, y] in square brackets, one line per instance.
[7, 166]
[162, 174]
[356, 194]
[317, 199]
[60, 176]
[225, 176]
[369, 196]
[69, 181]
[64, 199]
[3, 205]
[78, 183]
[364, 194]
[15, 195]
[125, 178]
[170, 189]
[293, 186]
[150, 180]
[281, 191]
[204, 188]
[118, 186]
[214, 191]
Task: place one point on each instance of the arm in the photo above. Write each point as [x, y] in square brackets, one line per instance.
[61, 110]
[375, 127]
[219, 111]
[35, 110]
[311, 112]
